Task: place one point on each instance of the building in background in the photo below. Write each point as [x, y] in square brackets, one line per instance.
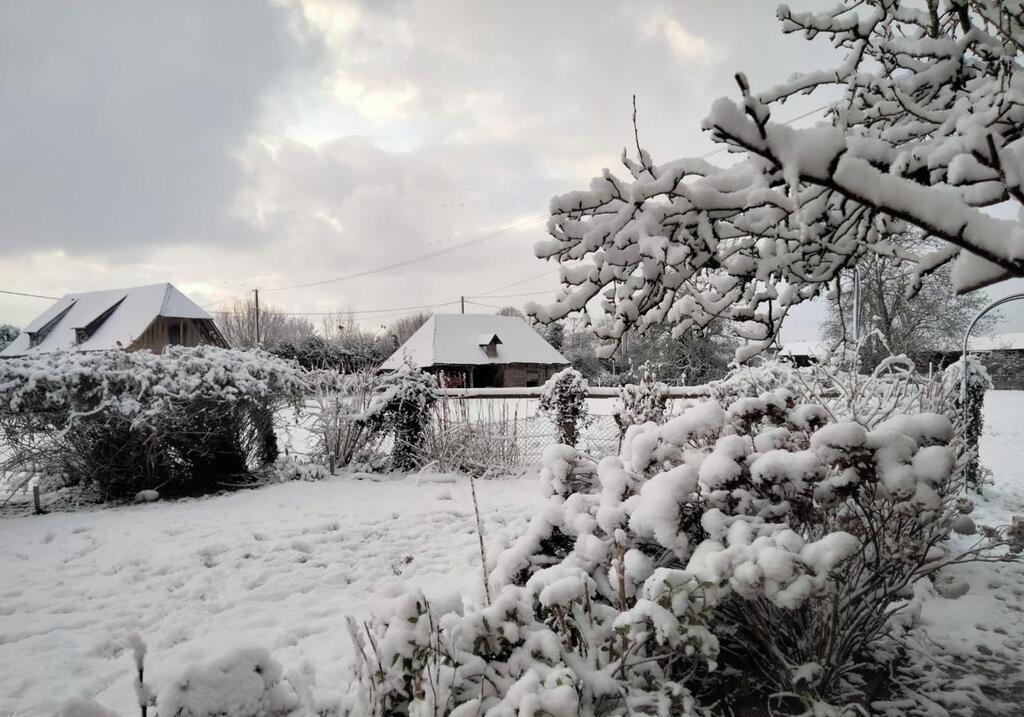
[478, 351]
[144, 317]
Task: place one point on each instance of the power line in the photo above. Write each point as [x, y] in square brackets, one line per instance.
[346, 312]
[31, 296]
[512, 296]
[517, 283]
[422, 257]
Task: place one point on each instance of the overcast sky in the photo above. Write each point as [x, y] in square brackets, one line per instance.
[235, 144]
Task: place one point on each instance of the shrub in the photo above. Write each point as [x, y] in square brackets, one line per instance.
[473, 439]
[401, 406]
[762, 539]
[564, 402]
[313, 353]
[641, 402]
[969, 417]
[121, 422]
[337, 407]
[240, 683]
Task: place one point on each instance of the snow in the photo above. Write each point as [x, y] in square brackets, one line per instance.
[136, 308]
[458, 340]
[276, 568]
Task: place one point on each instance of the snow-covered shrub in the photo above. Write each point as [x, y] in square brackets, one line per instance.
[641, 402]
[564, 401]
[401, 406]
[337, 408]
[242, 683]
[969, 417]
[121, 422]
[760, 539]
[290, 468]
[836, 382]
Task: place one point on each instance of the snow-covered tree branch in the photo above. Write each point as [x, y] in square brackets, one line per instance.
[927, 132]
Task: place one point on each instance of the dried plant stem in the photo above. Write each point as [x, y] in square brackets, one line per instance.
[480, 536]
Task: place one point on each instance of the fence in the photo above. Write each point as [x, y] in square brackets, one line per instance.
[533, 432]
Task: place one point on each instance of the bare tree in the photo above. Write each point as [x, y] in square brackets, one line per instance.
[401, 329]
[893, 318]
[511, 311]
[238, 324]
[927, 133]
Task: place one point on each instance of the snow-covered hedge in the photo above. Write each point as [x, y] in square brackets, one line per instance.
[180, 421]
[760, 544]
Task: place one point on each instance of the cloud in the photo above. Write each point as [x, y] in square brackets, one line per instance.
[685, 46]
[240, 143]
[122, 120]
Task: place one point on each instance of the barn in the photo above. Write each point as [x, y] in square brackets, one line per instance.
[144, 317]
[478, 351]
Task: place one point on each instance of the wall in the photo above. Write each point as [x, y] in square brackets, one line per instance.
[190, 332]
[1006, 369]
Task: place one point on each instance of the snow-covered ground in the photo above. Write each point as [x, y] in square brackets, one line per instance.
[972, 648]
[278, 567]
[282, 566]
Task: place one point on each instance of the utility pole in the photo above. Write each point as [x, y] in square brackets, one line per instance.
[257, 293]
[856, 303]
[462, 301]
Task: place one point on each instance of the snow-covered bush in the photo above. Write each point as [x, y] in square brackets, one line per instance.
[564, 402]
[837, 383]
[401, 406]
[969, 417]
[290, 468]
[181, 421]
[761, 539]
[242, 683]
[921, 127]
[641, 402]
[337, 408]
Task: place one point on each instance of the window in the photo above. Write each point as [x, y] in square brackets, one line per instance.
[174, 333]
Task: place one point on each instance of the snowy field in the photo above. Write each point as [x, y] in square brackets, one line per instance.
[282, 566]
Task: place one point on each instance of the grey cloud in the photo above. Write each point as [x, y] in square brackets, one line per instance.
[121, 120]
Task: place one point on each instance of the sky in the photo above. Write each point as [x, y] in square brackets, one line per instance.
[240, 144]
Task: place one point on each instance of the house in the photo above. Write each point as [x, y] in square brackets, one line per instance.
[479, 350]
[144, 317]
[802, 353]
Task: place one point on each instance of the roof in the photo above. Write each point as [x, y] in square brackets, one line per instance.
[454, 340]
[1011, 340]
[115, 317]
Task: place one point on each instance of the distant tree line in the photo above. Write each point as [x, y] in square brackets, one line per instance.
[339, 342]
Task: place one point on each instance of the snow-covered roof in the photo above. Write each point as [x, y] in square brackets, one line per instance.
[455, 340]
[114, 317]
[1011, 340]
